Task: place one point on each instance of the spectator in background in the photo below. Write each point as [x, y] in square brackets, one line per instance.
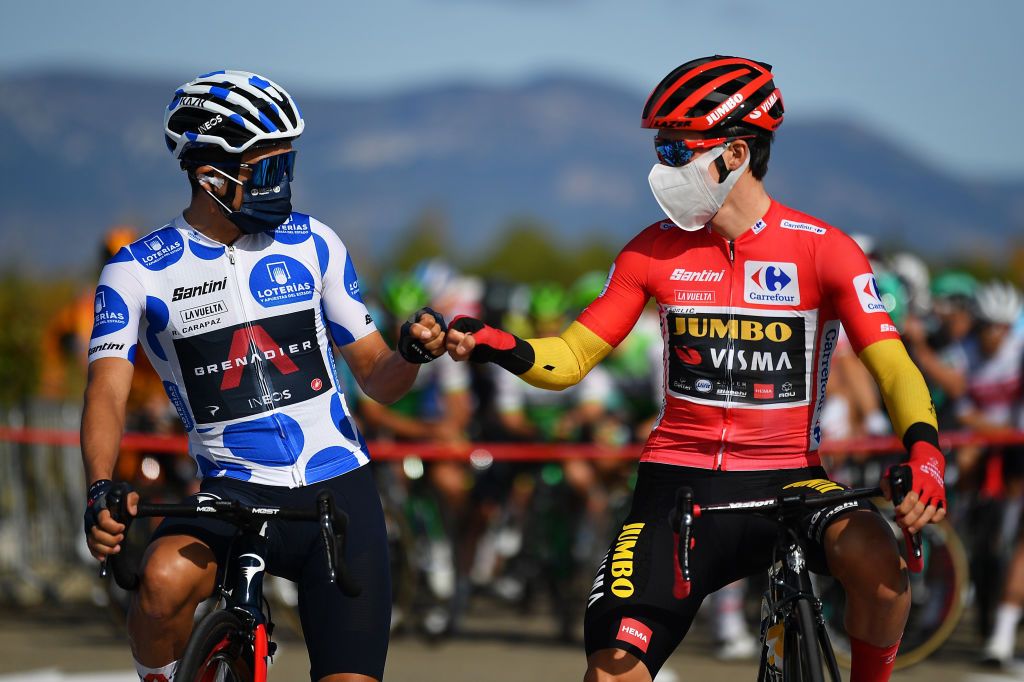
[437, 409]
[936, 342]
[994, 403]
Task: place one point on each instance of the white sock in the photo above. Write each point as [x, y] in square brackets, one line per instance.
[164, 674]
[1004, 633]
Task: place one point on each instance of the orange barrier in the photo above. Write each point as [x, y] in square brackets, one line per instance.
[515, 452]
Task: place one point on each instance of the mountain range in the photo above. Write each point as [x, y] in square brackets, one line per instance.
[82, 151]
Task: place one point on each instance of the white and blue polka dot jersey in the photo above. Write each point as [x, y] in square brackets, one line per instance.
[239, 336]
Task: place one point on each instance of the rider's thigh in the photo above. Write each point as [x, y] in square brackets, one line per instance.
[178, 571]
[862, 553]
[615, 665]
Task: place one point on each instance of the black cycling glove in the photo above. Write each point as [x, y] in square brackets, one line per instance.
[413, 349]
[96, 501]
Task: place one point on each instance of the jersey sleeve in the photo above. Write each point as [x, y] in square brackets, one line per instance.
[614, 312]
[848, 283]
[345, 313]
[117, 311]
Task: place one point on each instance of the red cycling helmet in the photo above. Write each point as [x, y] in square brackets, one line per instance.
[714, 93]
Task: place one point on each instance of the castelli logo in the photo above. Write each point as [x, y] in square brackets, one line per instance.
[316, 384]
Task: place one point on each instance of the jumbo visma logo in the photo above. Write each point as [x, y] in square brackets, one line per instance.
[622, 561]
[280, 280]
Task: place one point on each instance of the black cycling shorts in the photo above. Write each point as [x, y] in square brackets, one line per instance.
[343, 634]
[631, 606]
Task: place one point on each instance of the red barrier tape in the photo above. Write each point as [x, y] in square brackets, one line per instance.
[513, 452]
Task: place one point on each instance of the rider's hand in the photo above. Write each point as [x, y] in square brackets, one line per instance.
[926, 501]
[422, 338]
[460, 341]
[103, 534]
[471, 339]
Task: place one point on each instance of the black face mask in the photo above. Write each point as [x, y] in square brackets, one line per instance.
[263, 208]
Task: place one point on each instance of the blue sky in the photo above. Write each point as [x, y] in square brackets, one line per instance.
[936, 75]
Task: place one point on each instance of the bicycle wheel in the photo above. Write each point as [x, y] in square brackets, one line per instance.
[217, 651]
[937, 597]
[802, 652]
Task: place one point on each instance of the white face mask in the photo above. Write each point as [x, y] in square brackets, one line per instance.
[689, 195]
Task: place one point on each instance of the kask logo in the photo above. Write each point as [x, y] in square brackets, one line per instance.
[771, 283]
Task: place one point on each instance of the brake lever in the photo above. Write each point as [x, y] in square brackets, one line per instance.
[333, 527]
[900, 480]
[682, 532]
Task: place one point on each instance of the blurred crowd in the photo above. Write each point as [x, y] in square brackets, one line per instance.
[512, 530]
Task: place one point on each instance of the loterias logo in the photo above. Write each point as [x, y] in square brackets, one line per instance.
[771, 283]
[280, 280]
[249, 368]
[159, 250]
[110, 314]
[868, 294]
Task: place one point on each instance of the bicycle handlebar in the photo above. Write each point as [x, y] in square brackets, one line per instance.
[686, 510]
[333, 524]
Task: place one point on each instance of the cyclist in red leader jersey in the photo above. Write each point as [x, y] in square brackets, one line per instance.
[751, 295]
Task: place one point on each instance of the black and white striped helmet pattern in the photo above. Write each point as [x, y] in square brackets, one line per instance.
[233, 110]
[998, 303]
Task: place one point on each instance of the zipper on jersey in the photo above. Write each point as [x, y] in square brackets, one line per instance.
[265, 387]
[730, 350]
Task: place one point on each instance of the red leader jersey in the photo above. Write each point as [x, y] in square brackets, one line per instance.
[750, 327]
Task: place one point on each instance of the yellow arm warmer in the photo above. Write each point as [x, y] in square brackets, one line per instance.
[903, 389]
[562, 361]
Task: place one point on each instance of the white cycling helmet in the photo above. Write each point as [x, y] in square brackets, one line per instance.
[232, 110]
[998, 303]
[914, 273]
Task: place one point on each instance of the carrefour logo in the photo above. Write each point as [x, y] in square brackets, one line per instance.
[771, 283]
[279, 280]
[868, 294]
[159, 250]
[110, 314]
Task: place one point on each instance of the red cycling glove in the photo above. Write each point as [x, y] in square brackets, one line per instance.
[495, 345]
[928, 469]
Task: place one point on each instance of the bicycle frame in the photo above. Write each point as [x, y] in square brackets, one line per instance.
[245, 563]
[788, 582]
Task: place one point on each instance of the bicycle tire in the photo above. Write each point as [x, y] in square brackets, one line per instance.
[802, 660]
[219, 643]
[946, 564]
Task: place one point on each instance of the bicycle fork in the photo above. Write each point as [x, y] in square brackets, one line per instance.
[247, 596]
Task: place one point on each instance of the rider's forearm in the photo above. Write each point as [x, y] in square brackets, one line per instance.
[904, 391]
[554, 363]
[102, 428]
[390, 378]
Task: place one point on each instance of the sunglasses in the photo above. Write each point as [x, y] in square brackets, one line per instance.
[267, 172]
[678, 153]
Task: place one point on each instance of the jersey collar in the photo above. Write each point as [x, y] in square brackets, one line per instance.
[765, 224]
[192, 233]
